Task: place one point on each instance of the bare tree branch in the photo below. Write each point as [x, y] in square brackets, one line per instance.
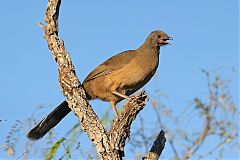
[200, 139]
[120, 129]
[157, 147]
[69, 83]
[109, 145]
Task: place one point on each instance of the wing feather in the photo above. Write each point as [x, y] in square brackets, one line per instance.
[114, 63]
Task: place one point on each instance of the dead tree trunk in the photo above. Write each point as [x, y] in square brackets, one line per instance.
[109, 144]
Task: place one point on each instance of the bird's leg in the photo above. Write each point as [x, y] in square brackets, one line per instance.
[121, 95]
[113, 105]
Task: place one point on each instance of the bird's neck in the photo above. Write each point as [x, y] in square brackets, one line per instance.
[148, 55]
[147, 48]
[148, 59]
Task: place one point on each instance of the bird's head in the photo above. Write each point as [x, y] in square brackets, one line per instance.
[158, 38]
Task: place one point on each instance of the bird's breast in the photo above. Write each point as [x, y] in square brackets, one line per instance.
[137, 73]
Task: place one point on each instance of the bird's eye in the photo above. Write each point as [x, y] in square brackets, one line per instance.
[159, 36]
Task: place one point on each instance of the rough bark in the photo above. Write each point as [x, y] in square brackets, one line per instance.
[157, 147]
[109, 144]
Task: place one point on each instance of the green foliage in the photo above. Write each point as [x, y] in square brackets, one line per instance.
[53, 150]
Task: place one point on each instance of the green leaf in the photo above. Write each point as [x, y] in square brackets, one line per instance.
[53, 150]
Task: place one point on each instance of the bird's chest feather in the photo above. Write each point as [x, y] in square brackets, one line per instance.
[139, 72]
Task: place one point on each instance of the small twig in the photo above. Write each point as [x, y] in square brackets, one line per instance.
[228, 139]
[21, 156]
[142, 135]
[200, 139]
[42, 26]
[174, 149]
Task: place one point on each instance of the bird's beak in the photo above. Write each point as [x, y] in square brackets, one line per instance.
[165, 40]
[170, 38]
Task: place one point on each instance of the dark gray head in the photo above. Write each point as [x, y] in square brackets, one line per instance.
[158, 38]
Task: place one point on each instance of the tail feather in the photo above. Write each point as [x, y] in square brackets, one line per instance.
[50, 121]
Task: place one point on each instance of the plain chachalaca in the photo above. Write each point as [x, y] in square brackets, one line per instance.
[113, 80]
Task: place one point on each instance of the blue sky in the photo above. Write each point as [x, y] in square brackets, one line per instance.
[205, 36]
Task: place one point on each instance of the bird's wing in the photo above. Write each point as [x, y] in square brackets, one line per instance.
[92, 76]
[114, 63]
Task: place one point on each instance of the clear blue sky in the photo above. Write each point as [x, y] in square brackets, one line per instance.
[205, 34]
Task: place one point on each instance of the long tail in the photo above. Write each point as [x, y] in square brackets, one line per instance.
[50, 121]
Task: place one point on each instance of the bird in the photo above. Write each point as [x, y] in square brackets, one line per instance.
[113, 80]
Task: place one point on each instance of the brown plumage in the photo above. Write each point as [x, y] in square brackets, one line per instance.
[113, 80]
